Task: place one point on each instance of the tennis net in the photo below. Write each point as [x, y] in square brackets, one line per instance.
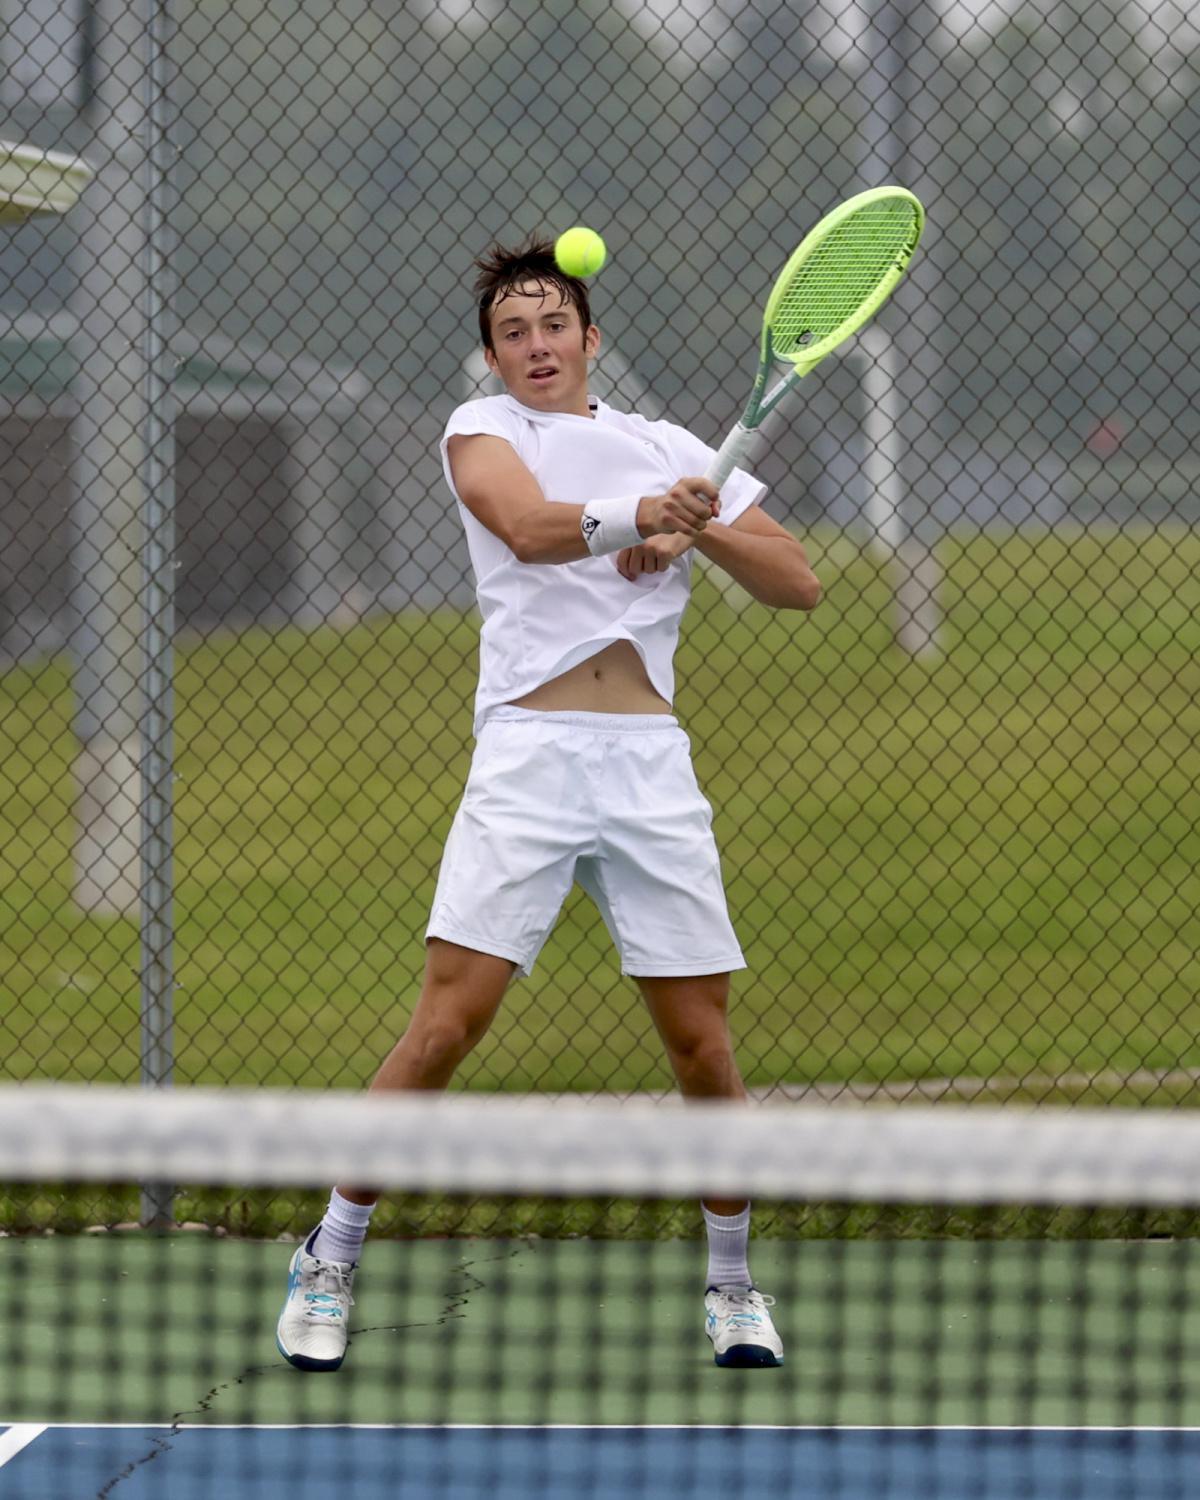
[973, 1302]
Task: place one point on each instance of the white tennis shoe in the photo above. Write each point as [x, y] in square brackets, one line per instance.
[743, 1336]
[314, 1326]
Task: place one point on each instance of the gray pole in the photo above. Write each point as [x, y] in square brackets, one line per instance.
[123, 541]
[897, 383]
[108, 473]
[158, 571]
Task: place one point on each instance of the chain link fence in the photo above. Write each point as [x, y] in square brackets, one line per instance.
[957, 804]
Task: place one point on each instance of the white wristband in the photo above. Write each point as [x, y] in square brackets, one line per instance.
[611, 525]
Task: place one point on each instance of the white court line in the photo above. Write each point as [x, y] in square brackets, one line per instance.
[16, 1438]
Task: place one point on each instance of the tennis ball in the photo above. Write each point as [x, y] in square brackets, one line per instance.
[579, 252]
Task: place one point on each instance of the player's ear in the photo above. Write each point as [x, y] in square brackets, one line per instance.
[489, 355]
[591, 341]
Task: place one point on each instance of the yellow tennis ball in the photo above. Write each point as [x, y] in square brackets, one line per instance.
[579, 252]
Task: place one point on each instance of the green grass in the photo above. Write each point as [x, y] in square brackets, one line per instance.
[979, 868]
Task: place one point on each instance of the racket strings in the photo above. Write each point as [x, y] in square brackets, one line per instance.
[847, 270]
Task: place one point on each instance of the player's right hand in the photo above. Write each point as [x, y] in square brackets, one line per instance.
[685, 509]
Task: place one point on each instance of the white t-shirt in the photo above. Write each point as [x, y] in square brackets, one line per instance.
[541, 619]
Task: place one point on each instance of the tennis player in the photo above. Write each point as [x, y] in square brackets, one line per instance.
[580, 521]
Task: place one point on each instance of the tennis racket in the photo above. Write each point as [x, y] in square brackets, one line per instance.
[839, 277]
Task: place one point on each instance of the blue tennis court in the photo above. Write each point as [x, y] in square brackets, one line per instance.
[608, 1463]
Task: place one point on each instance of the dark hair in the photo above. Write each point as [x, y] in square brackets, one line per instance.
[502, 271]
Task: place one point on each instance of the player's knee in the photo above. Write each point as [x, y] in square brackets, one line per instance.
[703, 1059]
[440, 1044]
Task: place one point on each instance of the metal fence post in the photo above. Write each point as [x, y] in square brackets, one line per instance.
[158, 616]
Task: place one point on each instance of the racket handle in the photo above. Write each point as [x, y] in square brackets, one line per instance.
[730, 454]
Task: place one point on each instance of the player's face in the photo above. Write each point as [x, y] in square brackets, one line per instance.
[540, 350]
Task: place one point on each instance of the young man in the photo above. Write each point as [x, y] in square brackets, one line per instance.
[578, 519]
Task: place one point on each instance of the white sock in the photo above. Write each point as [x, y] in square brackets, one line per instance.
[342, 1231]
[728, 1241]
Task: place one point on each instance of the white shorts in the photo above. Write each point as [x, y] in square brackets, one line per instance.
[609, 800]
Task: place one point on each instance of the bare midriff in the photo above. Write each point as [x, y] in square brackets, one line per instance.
[614, 681]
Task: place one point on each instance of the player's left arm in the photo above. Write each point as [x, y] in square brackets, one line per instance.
[769, 562]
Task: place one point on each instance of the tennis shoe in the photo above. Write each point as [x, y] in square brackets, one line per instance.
[739, 1324]
[314, 1326]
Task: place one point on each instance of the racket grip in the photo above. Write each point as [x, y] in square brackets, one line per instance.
[730, 454]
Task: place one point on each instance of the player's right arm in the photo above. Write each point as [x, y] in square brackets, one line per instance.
[503, 495]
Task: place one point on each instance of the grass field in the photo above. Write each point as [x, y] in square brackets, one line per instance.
[981, 868]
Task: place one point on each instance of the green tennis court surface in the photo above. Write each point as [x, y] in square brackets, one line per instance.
[496, 1368]
[964, 1333]
[612, 1332]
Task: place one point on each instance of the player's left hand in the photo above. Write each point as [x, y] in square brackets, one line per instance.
[654, 555]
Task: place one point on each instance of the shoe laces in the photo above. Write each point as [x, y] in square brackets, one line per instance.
[327, 1290]
[742, 1306]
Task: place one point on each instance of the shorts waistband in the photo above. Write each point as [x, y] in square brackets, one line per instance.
[599, 723]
